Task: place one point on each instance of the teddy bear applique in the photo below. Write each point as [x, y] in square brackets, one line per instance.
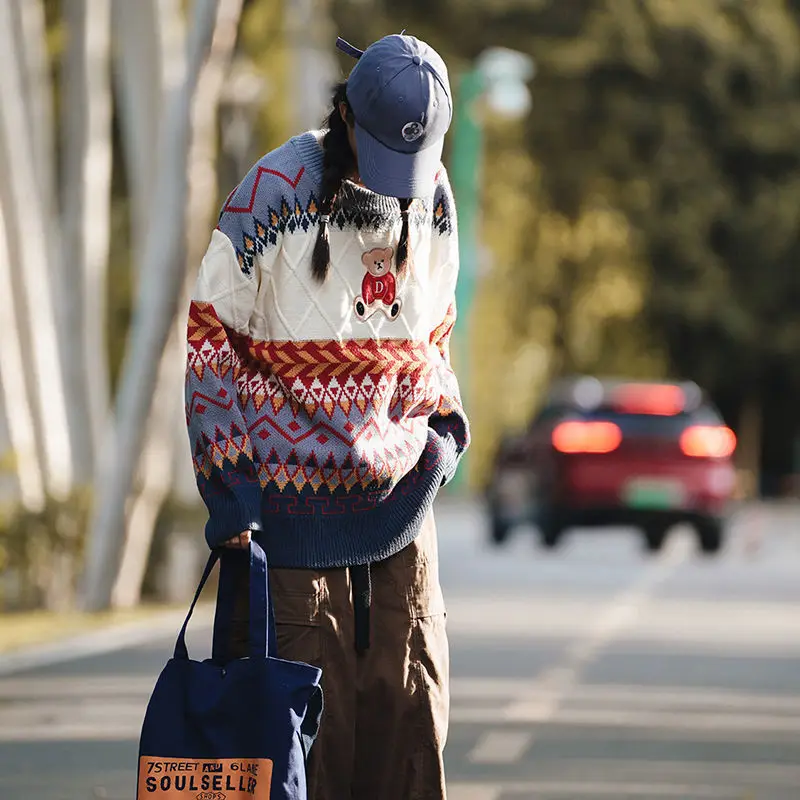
[379, 286]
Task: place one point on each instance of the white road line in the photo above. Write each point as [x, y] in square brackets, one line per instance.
[665, 774]
[536, 712]
[561, 729]
[488, 688]
[680, 721]
[75, 720]
[595, 788]
[112, 731]
[625, 695]
[468, 791]
[542, 703]
[724, 773]
[690, 700]
[500, 747]
[52, 720]
[122, 721]
[763, 627]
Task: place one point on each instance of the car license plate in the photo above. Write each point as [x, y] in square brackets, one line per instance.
[654, 494]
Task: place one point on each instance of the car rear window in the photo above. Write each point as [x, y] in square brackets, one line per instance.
[652, 424]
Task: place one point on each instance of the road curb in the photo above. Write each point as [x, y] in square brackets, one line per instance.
[103, 640]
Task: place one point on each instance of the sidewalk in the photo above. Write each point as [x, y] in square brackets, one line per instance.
[53, 638]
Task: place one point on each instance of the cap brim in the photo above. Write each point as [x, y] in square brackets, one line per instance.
[385, 171]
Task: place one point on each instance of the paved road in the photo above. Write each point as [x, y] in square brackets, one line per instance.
[595, 673]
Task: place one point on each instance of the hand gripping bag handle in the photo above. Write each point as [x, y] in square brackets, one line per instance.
[261, 618]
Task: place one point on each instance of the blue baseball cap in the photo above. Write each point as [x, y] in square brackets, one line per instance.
[400, 97]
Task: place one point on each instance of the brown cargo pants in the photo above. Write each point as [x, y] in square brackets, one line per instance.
[386, 712]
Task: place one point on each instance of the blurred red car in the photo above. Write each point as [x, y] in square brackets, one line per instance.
[614, 453]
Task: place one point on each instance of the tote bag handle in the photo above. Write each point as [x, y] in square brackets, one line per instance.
[261, 619]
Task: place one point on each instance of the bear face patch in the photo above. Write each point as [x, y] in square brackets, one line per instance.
[378, 286]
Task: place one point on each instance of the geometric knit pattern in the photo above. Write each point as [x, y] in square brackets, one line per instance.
[374, 386]
[324, 414]
[291, 216]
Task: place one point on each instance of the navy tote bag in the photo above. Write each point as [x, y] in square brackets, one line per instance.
[239, 730]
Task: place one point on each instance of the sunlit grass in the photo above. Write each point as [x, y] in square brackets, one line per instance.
[24, 629]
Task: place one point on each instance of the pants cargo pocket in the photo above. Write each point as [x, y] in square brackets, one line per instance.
[296, 603]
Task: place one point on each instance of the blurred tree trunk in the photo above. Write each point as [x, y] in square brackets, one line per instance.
[144, 76]
[147, 80]
[312, 63]
[155, 463]
[86, 185]
[14, 392]
[24, 20]
[160, 279]
[159, 456]
[31, 32]
[29, 232]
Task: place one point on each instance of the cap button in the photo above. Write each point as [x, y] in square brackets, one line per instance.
[417, 60]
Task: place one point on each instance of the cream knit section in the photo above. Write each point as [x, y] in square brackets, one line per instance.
[281, 301]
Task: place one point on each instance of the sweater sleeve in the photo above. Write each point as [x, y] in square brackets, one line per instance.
[448, 421]
[221, 307]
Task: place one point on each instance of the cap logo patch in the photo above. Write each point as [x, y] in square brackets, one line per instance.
[412, 131]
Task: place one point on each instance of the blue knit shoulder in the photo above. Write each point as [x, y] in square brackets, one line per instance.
[278, 195]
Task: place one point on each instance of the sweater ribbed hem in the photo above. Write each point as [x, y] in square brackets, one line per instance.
[320, 541]
[363, 538]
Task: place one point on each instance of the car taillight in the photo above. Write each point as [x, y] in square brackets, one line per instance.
[586, 437]
[708, 441]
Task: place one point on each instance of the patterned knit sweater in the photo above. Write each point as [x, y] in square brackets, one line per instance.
[323, 416]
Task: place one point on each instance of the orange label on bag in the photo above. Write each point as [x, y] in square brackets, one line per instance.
[204, 778]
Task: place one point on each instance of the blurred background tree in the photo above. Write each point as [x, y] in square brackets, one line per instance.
[679, 120]
[639, 220]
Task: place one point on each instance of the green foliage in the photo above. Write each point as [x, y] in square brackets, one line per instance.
[43, 550]
[670, 130]
[689, 113]
[562, 290]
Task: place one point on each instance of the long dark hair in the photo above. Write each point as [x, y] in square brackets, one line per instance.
[338, 162]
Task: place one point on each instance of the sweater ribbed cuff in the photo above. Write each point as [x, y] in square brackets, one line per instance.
[451, 456]
[232, 514]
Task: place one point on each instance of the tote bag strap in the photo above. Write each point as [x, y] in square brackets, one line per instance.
[234, 571]
[262, 620]
[263, 639]
[240, 568]
[180, 645]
